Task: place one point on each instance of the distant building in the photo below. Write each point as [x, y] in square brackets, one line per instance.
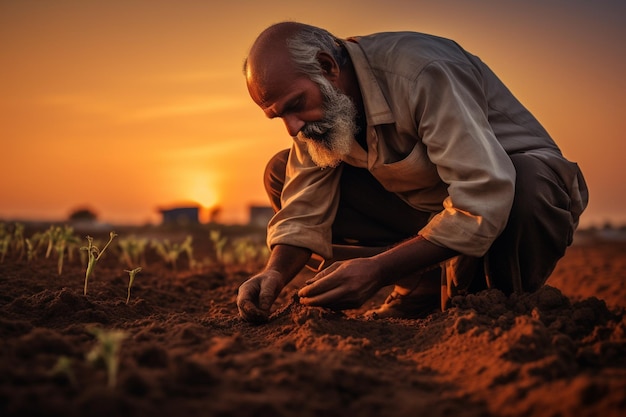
[260, 215]
[181, 216]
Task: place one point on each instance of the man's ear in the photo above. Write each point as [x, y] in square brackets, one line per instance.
[330, 69]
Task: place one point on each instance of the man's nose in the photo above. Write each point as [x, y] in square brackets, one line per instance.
[293, 124]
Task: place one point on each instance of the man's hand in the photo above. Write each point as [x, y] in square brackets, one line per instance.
[349, 284]
[343, 285]
[256, 295]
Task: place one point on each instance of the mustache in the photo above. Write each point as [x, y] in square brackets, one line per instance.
[317, 131]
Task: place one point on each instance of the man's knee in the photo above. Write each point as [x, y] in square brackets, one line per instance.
[539, 229]
[539, 194]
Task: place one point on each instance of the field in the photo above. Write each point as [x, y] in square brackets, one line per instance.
[182, 350]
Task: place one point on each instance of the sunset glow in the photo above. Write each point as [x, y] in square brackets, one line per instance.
[128, 107]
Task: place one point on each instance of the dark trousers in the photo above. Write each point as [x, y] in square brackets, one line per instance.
[540, 226]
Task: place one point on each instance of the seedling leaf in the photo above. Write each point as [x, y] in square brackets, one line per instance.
[107, 350]
[94, 256]
[132, 273]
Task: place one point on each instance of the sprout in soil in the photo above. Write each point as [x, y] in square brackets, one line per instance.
[170, 252]
[52, 235]
[106, 351]
[64, 240]
[132, 273]
[58, 239]
[187, 247]
[19, 245]
[63, 368]
[12, 241]
[133, 250]
[37, 241]
[219, 242]
[5, 241]
[246, 251]
[94, 256]
[30, 252]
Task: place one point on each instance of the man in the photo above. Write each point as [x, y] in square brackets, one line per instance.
[413, 163]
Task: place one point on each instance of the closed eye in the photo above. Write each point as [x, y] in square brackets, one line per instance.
[293, 106]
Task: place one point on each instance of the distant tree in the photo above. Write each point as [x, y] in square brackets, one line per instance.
[214, 214]
[83, 215]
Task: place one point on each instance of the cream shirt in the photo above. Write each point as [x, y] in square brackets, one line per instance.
[440, 127]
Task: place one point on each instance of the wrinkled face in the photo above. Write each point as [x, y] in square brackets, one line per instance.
[330, 139]
[313, 111]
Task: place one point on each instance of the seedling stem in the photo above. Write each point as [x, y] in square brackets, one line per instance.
[132, 273]
[94, 256]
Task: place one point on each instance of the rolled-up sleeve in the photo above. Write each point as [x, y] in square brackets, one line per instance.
[452, 114]
[309, 203]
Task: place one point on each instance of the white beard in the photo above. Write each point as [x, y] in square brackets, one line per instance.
[330, 140]
[325, 157]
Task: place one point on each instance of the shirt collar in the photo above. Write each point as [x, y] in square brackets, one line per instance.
[377, 110]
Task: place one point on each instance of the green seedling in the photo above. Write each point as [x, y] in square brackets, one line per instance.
[5, 241]
[51, 235]
[38, 240]
[30, 250]
[19, 246]
[12, 241]
[60, 239]
[187, 247]
[133, 250]
[94, 256]
[219, 243]
[106, 351]
[170, 252]
[132, 273]
[65, 241]
[246, 251]
[63, 368]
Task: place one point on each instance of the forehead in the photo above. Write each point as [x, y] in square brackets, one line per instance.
[270, 77]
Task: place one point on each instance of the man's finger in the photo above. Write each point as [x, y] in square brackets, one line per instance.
[323, 273]
[320, 286]
[248, 309]
[267, 295]
[250, 312]
[323, 299]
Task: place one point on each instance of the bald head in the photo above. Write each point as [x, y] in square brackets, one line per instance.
[269, 54]
[272, 42]
[288, 50]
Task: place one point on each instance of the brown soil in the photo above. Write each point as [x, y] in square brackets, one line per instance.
[558, 352]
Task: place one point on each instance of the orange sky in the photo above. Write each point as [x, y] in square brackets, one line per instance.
[126, 106]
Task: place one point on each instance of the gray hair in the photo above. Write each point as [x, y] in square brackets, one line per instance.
[307, 43]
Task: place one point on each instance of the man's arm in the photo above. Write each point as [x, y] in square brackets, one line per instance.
[411, 256]
[256, 295]
[349, 284]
